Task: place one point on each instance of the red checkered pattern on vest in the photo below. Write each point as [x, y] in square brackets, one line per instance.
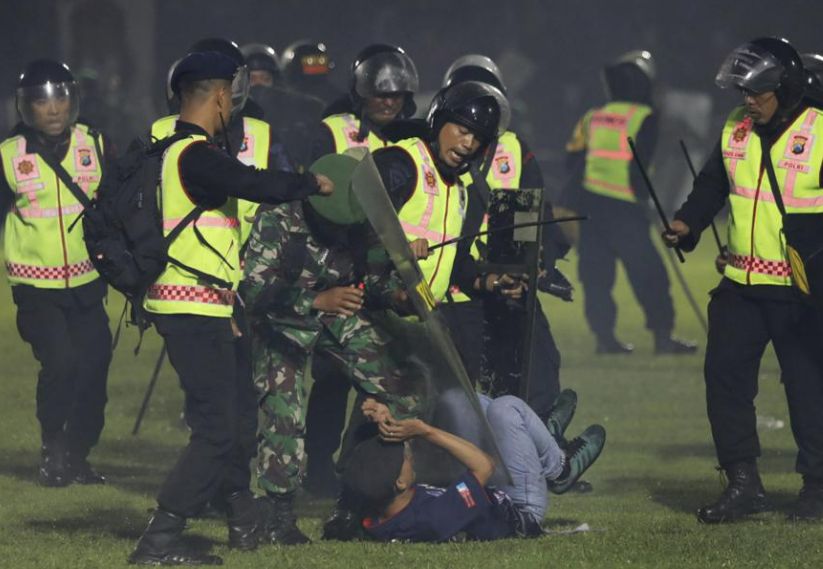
[760, 266]
[48, 273]
[201, 294]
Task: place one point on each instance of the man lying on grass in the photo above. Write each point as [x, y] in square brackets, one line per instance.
[381, 474]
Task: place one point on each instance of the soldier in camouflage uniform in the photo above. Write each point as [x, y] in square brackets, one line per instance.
[304, 295]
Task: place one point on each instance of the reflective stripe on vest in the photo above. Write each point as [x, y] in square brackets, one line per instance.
[253, 151]
[608, 156]
[177, 291]
[435, 212]
[756, 244]
[39, 248]
[345, 128]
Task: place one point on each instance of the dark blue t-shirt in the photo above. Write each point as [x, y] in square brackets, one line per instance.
[438, 514]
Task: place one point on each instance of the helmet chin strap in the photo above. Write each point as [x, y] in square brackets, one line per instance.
[227, 145]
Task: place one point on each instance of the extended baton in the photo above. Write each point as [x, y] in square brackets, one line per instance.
[505, 227]
[694, 177]
[653, 194]
[149, 390]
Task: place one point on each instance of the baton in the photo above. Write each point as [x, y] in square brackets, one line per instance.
[653, 194]
[505, 227]
[694, 177]
[147, 397]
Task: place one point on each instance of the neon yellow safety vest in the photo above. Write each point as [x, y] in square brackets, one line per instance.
[344, 129]
[177, 291]
[435, 212]
[608, 155]
[504, 173]
[39, 248]
[757, 249]
[254, 151]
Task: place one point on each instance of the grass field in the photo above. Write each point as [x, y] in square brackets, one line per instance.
[657, 468]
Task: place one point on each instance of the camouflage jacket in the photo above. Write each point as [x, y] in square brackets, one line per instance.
[286, 267]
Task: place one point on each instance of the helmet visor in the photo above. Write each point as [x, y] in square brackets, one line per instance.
[462, 94]
[386, 72]
[751, 69]
[239, 89]
[50, 108]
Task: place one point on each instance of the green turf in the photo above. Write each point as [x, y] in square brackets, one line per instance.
[657, 468]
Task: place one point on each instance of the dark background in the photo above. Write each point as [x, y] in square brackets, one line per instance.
[550, 52]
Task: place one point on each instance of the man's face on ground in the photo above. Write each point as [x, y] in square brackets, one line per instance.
[385, 108]
[761, 107]
[457, 143]
[51, 114]
[260, 77]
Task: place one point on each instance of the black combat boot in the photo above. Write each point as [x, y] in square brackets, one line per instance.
[666, 344]
[280, 522]
[744, 495]
[344, 523]
[809, 504]
[53, 471]
[244, 521]
[81, 472]
[611, 345]
[160, 544]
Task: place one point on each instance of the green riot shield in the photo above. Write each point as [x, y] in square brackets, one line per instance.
[451, 402]
[514, 251]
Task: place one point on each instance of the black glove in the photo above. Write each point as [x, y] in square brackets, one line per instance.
[556, 284]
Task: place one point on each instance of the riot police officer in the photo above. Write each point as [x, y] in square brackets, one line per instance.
[307, 67]
[766, 140]
[813, 63]
[195, 312]
[290, 113]
[605, 184]
[52, 165]
[382, 84]
[508, 163]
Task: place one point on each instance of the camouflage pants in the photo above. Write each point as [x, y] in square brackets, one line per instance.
[363, 353]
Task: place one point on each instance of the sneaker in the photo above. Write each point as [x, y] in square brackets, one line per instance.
[562, 413]
[612, 345]
[580, 455]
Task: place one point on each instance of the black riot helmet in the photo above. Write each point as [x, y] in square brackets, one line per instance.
[262, 57]
[48, 84]
[305, 58]
[765, 64]
[381, 69]
[630, 77]
[240, 83]
[813, 63]
[474, 67]
[475, 105]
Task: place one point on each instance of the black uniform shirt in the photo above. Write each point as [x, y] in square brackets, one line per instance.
[210, 176]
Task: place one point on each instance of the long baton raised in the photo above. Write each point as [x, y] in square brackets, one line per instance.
[505, 227]
[694, 177]
[653, 194]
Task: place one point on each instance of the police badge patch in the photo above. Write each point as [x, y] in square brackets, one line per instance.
[84, 158]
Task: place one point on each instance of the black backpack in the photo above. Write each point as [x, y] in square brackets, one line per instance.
[123, 226]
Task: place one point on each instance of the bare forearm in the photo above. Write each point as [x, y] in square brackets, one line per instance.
[478, 462]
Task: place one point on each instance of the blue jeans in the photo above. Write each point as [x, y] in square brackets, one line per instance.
[526, 447]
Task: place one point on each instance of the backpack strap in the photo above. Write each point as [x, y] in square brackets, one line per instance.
[64, 176]
[778, 198]
[191, 217]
